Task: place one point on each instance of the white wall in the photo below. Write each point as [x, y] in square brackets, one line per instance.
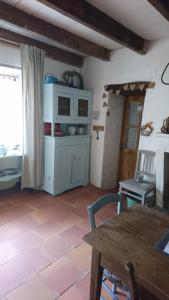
[10, 55]
[128, 66]
[57, 68]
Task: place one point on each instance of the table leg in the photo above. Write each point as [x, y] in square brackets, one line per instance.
[96, 276]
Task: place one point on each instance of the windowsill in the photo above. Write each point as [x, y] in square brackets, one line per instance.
[11, 177]
[13, 153]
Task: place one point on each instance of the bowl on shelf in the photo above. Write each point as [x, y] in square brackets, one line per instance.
[72, 130]
[47, 128]
[80, 130]
[59, 133]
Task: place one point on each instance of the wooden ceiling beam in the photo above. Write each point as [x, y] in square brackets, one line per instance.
[90, 16]
[51, 51]
[22, 19]
[162, 6]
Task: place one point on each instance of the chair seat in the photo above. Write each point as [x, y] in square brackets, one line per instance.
[112, 278]
[137, 187]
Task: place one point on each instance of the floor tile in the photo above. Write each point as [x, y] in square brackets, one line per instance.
[55, 248]
[53, 212]
[81, 256]
[26, 241]
[61, 275]
[26, 222]
[40, 215]
[73, 235]
[83, 285]
[7, 252]
[21, 268]
[7, 231]
[80, 211]
[34, 289]
[72, 294]
[48, 229]
[67, 219]
[9, 278]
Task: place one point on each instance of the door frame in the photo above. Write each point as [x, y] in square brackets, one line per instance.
[125, 121]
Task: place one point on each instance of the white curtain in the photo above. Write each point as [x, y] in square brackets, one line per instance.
[32, 61]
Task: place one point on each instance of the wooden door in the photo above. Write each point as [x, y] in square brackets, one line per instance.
[132, 116]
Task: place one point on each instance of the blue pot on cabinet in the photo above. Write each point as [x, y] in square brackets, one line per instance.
[49, 78]
[3, 150]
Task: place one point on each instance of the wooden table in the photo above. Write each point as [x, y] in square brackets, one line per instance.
[131, 237]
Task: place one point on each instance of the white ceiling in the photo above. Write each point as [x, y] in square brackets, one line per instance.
[138, 15]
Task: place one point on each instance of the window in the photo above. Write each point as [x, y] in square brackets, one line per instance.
[10, 110]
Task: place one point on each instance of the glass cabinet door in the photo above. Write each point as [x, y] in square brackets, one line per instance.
[83, 108]
[64, 104]
[64, 107]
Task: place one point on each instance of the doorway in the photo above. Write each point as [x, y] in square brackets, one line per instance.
[130, 134]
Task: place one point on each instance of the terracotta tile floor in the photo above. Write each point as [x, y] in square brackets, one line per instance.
[42, 254]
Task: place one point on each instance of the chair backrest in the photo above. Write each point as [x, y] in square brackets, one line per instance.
[146, 165]
[101, 202]
[132, 282]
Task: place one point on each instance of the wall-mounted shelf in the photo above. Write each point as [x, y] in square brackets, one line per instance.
[162, 135]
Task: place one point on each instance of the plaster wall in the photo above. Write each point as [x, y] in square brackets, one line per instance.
[10, 55]
[128, 66]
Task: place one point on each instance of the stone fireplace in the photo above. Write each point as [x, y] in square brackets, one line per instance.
[166, 181]
[162, 170]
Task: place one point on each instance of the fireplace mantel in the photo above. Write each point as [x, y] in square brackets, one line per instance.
[162, 135]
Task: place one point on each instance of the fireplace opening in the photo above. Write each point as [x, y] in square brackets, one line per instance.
[166, 181]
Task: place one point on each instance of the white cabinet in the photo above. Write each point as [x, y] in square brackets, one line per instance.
[66, 163]
[66, 158]
[66, 105]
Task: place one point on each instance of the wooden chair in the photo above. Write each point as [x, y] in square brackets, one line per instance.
[134, 289]
[92, 210]
[142, 188]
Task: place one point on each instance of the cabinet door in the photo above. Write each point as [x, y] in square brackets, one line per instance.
[64, 107]
[80, 164]
[49, 155]
[63, 168]
[83, 106]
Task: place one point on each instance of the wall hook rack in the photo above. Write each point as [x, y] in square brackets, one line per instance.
[98, 128]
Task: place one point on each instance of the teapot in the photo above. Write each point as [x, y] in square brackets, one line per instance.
[165, 127]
